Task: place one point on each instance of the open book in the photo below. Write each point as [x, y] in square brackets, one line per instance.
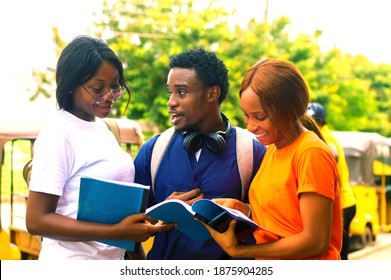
[108, 202]
[188, 217]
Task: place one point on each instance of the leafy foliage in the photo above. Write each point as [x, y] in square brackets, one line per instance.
[146, 34]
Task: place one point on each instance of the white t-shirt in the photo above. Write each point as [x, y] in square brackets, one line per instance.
[66, 149]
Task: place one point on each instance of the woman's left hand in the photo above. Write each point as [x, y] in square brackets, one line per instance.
[227, 240]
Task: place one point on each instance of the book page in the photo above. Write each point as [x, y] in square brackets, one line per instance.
[178, 212]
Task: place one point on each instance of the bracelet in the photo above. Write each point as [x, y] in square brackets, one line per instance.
[249, 210]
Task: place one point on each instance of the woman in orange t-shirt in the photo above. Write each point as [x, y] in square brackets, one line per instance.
[295, 192]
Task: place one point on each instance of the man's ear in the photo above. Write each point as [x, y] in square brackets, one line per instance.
[214, 93]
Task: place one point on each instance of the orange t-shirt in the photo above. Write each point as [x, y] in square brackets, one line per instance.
[306, 165]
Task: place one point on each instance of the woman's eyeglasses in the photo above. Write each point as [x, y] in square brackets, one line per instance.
[101, 96]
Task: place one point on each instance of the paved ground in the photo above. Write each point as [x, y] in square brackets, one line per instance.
[380, 250]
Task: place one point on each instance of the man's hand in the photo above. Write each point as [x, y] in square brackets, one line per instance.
[189, 197]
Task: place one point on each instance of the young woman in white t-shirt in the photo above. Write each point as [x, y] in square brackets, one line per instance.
[76, 143]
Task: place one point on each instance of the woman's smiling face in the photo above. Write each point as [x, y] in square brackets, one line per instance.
[256, 119]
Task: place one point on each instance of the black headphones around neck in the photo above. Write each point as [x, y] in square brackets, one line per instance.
[214, 141]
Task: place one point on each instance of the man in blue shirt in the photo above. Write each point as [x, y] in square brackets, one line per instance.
[200, 160]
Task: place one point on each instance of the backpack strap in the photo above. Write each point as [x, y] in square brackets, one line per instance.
[244, 156]
[114, 128]
[244, 148]
[158, 151]
[27, 171]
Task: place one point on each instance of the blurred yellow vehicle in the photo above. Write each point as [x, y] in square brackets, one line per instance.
[368, 158]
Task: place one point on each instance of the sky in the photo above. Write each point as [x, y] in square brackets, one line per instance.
[353, 26]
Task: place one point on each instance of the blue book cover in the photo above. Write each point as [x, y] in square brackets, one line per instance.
[108, 202]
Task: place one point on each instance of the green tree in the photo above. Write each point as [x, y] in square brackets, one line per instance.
[145, 35]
